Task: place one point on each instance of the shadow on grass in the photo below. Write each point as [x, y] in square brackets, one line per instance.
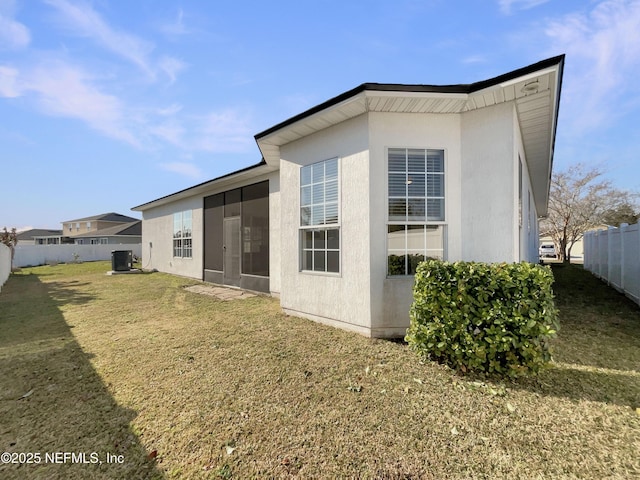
[583, 384]
[52, 401]
[597, 352]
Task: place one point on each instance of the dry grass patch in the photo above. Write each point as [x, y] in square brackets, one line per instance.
[135, 364]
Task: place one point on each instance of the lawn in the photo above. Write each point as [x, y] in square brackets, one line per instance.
[182, 385]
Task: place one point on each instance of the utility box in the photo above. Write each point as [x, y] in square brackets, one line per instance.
[121, 260]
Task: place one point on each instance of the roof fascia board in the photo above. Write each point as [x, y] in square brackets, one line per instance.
[239, 175]
[515, 75]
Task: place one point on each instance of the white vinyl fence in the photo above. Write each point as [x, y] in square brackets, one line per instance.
[32, 255]
[614, 256]
[5, 263]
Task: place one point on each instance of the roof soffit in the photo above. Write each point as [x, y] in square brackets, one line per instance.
[534, 93]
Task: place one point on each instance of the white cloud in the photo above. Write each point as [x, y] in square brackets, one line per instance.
[171, 67]
[183, 168]
[603, 60]
[507, 6]
[13, 34]
[85, 21]
[225, 131]
[170, 131]
[474, 59]
[9, 87]
[63, 90]
[177, 26]
[170, 110]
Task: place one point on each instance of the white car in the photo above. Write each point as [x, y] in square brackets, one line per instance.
[547, 251]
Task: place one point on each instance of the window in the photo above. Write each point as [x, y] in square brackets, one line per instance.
[80, 242]
[88, 225]
[416, 208]
[104, 241]
[319, 218]
[182, 243]
[94, 241]
[77, 226]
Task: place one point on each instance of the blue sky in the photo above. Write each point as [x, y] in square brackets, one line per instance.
[105, 105]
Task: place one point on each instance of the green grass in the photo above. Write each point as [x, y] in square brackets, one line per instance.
[134, 364]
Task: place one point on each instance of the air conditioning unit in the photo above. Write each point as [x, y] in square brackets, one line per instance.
[121, 260]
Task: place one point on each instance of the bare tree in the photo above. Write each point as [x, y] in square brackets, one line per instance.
[579, 199]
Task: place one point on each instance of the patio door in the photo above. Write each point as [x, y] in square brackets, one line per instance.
[231, 248]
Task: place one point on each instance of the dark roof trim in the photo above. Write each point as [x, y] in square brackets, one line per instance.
[397, 87]
[242, 170]
[125, 229]
[105, 217]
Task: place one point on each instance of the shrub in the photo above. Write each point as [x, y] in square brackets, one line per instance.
[489, 318]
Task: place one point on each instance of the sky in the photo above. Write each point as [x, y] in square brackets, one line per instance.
[106, 105]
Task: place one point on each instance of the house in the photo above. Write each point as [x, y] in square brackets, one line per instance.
[40, 236]
[121, 233]
[353, 192]
[80, 226]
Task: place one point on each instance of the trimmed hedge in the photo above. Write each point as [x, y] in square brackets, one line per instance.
[487, 318]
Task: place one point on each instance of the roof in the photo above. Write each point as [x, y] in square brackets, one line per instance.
[38, 232]
[126, 229]
[105, 217]
[244, 173]
[535, 90]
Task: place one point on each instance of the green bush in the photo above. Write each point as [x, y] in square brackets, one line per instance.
[488, 318]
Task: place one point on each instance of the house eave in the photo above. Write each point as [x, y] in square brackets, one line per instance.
[534, 89]
[242, 175]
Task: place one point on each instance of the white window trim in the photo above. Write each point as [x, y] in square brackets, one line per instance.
[182, 237]
[442, 223]
[331, 226]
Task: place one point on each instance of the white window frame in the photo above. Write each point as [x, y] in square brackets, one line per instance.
[104, 241]
[182, 241]
[425, 223]
[304, 230]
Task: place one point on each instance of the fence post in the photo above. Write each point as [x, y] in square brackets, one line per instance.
[623, 234]
[609, 255]
[586, 252]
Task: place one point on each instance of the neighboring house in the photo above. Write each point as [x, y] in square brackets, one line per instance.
[40, 236]
[124, 233]
[353, 193]
[80, 226]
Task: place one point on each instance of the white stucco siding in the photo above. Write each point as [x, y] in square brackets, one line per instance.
[157, 230]
[275, 250]
[391, 297]
[157, 238]
[488, 185]
[527, 224]
[336, 299]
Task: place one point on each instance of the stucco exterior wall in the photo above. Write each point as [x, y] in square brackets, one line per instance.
[528, 226]
[488, 185]
[391, 297]
[157, 235]
[336, 299]
[275, 248]
[157, 230]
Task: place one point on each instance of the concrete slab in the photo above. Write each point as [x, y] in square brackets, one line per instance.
[222, 293]
[124, 272]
